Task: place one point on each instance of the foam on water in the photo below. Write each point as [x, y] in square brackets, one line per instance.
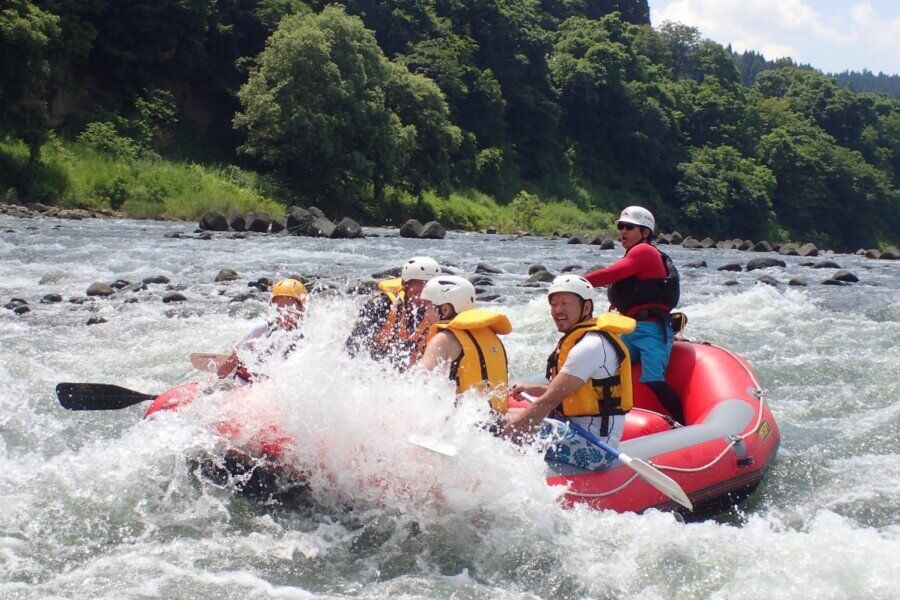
[105, 505]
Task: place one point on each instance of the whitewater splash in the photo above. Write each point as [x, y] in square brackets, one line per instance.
[108, 505]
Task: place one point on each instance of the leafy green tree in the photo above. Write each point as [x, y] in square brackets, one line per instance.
[26, 32]
[419, 103]
[325, 108]
[724, 194]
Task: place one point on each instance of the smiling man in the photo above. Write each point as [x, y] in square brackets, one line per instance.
[645, 286]
[589, 374]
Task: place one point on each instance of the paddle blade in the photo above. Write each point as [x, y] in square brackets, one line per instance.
[658, 479]
[98, 396]
[207, 361]
[433, 445]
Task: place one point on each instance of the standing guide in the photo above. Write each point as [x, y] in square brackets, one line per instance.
[644, 285]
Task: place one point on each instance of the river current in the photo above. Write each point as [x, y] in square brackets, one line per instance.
[104, 504]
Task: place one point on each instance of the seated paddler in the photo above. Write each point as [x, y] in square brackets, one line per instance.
[392, 324]
[589, 374]
[278, 335]
[465, 340]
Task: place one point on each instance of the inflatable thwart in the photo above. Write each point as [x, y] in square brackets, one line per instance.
[718, 458]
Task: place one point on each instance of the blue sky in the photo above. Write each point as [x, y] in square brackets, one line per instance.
[831, 35]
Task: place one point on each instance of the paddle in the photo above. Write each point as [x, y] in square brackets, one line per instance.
[432, 444]
[648, 472]
[98, 396]
[207, 361]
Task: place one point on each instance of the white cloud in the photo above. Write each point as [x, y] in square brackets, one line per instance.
[853, 37]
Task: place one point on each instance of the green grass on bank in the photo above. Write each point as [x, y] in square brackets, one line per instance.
[76, 176]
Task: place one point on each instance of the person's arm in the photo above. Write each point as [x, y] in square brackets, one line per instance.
[520, 426]
[442, 349]
[532, 389]
[621, 269]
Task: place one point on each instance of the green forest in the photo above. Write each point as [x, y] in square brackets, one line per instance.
[529, 114]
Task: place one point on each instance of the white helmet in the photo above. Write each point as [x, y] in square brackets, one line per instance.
[450, 289]
[421, 268]
[637, 215]
[573, 284]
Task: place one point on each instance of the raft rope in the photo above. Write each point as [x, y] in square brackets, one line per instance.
[734, 440]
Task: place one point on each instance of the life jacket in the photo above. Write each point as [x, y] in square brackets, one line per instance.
[483, 362]
[606, 396]
[395, 334]
[631, 291]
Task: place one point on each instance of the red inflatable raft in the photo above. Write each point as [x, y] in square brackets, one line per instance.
[718, 458]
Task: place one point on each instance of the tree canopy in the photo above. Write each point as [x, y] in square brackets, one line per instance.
[586, 101]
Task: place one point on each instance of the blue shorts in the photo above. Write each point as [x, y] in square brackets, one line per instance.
[650, 343]
[566, 446]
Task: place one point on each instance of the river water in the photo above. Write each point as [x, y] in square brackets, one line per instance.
[103, 504]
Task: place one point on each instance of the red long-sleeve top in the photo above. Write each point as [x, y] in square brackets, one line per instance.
[642, 261]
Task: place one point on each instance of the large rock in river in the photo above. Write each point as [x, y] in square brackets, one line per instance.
[213, 220]
[433, 231]
[764, 263]
[411, 229]
[100, 289]
[257, 221]
[236, 219]
[347, 228]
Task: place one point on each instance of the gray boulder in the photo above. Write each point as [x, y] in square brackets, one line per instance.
[873, 253]
[96, 321]
[799, 280]
[319, 227]
[485, 268]
[597, 240]
[156, 279]
[768, 280]
[318, 212]
[664, 239]
[745, 245]
[278, 225]
[834, 282]
[541, 277]
[730, 267]
[788, 249]
[764, 263]
[691, 244]
[235, 219]
[575, 239]
[808, 249]
[536, 269]
[174, 297]
[730, 282]
[433, 231]
[298, 217]
[51, 298]
[845, 275]
[258, 222]
[227, 275]
[607, 244]
[570, 268]
[213, 220]
[100, 289]
[890, 254]
[725, 245]
[388, 273]
[411, 229]
[676, 238]
[826, 264]
[707, 243]
[695, 264]
[347, 228]
[762, 246]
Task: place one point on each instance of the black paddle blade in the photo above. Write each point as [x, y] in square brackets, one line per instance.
[98, 396]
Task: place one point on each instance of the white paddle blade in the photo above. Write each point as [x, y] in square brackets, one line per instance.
[206, 361]
[658, 479]
[433, 445]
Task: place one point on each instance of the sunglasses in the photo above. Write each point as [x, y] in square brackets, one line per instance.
[625, 226]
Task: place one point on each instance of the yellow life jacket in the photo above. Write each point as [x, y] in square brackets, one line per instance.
[394, 333]
[606, 396]
[483, 363]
